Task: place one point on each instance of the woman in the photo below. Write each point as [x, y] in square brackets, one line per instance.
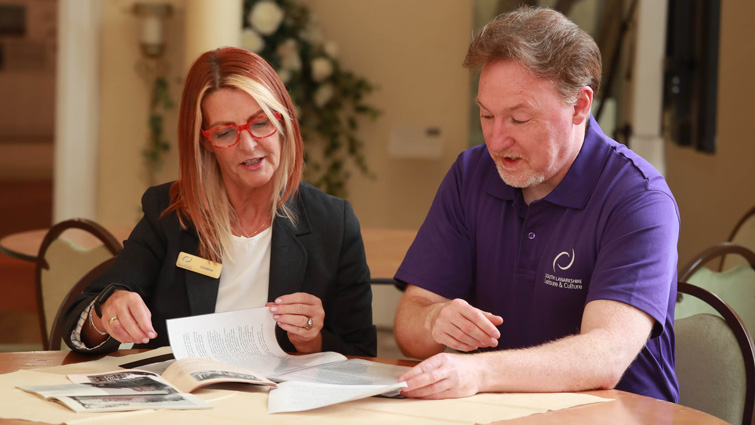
[238, 203]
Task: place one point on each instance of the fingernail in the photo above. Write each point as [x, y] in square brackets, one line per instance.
[152, 335]
[278, 301]
[273, 308]
[276, 317]
[145, 340]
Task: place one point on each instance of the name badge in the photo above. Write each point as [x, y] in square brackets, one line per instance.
[199, 265]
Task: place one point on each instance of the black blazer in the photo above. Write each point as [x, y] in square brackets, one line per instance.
[321, 254]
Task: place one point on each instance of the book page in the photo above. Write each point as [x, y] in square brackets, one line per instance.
[190, 373]
[138, 402]
[295, 396]
[133, 386]
[244, 338]
[349, 372]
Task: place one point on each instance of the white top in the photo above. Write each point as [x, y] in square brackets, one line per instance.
[244, 280]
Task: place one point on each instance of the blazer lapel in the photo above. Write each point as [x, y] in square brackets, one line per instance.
[288, 256]
[202, 290]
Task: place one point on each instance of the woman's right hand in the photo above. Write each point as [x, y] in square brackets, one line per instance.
[126, 318]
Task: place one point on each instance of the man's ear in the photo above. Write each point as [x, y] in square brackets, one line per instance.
[582, 105]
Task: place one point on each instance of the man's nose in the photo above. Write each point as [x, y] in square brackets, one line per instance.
[498, 137]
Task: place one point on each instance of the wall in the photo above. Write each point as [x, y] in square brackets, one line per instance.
[124, 101]
[412, 51]
[413, 56]
[714, 191]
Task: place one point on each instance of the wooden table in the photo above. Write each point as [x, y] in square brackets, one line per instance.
[626, 408]
[385, 248]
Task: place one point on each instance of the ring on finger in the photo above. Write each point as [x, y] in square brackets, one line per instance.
[112, 319]
[309, 323]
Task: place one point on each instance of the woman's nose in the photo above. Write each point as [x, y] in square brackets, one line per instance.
[247, 140]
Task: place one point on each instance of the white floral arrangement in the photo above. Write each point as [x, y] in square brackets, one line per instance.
[329, 100]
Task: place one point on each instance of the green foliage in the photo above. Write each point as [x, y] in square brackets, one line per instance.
[330, 100]
[157, 145]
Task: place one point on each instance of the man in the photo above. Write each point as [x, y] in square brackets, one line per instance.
[551, 250]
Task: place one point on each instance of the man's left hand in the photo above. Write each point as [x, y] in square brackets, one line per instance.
[444, 376]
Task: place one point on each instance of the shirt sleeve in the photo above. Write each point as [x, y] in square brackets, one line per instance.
[76, 334]
[441, 257]
[637, 258]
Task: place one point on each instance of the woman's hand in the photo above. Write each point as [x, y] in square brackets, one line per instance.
[302, 316]
[126, 318]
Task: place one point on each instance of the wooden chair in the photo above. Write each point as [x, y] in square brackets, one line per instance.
[56, 332]
[736, 285]
[721, 250]
[715, 361]
[68, 251]
[743, 234]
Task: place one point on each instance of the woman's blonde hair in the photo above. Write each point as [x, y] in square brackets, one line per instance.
[199, 196]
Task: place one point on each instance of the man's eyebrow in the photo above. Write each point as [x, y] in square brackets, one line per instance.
[509, 109]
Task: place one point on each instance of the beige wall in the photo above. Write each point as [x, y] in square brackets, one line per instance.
[713, 191]
[411, 50]
[124, 102]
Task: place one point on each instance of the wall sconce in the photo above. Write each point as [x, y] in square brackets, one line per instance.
[151, 35]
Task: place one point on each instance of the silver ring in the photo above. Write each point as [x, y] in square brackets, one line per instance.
[309, 323]
[112, 319]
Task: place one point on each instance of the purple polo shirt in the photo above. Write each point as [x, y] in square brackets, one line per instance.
[609, 231]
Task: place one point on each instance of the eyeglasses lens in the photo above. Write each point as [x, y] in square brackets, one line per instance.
[259, 127]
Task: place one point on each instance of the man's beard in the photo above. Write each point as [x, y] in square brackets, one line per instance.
[522, 178]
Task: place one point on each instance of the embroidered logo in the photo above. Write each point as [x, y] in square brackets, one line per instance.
[555, 260]
[559, 281]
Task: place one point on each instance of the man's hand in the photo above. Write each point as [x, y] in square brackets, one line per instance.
[458, 325]
[444, 376]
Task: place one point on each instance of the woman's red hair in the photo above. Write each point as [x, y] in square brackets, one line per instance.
[209, 73]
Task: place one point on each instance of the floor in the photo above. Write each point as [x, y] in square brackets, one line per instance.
[24, 205]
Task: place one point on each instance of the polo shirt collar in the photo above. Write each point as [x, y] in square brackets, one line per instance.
[579, 182]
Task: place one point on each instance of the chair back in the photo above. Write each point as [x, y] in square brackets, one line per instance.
[715, 360]
[736, 285]
[56, 330]
[743, 234]
[68, 251]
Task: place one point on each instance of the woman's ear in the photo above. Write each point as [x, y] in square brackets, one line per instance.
[206, 144]
[583, 105]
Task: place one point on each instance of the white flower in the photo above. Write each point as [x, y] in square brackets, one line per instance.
[284, 75]
[312, 32]
[322, 68]
[323, 94]
[331, 49]
[250, 40]
[266, 17]
[289, 54]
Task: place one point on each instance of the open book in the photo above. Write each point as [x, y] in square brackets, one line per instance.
[246, 339]
[238, 346]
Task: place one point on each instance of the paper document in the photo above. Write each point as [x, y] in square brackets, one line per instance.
[293, 396]
[246, 338]
[136, 391]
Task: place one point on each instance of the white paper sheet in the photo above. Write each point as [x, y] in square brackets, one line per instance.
[243, 338]
[294, 396]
